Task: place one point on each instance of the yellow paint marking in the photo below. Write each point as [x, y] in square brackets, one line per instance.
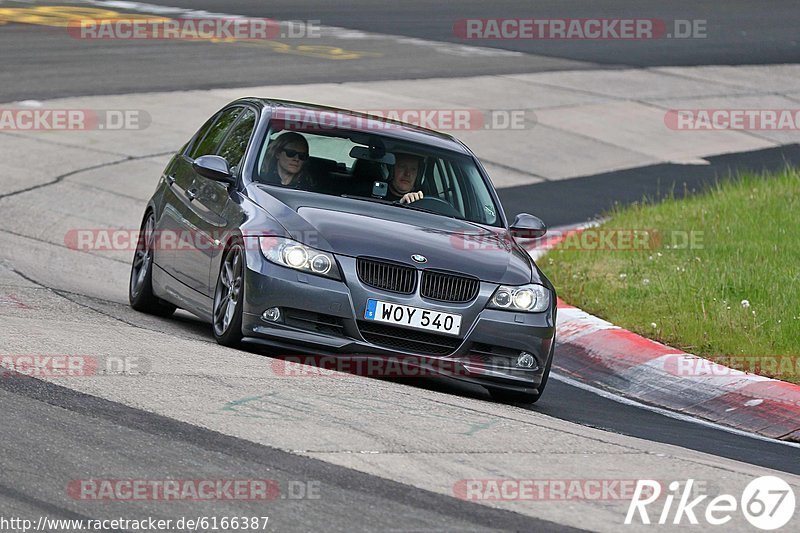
[318, 51]
[66, 16]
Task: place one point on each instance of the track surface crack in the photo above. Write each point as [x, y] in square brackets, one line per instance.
[66, 175]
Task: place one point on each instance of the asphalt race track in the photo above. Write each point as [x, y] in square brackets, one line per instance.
[349, 454]
[740, 34]
[393, 42]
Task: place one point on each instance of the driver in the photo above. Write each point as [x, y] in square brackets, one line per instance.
[404, 178]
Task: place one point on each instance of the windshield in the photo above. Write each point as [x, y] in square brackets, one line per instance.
[375, 167]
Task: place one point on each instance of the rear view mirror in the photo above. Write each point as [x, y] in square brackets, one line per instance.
[372, 154]
[527, 226]
[214, 168]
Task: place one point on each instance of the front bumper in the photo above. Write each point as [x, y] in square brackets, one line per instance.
[324, 318]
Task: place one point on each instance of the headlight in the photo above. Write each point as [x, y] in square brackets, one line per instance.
[530, 298]
[292, 254]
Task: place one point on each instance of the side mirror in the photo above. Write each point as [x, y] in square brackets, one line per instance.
[214, 168]
[527, 226]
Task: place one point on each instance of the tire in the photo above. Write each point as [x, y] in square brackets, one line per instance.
[226, 313]
[528, 398]
[140, 285]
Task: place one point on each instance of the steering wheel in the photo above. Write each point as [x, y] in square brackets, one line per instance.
[437, 205]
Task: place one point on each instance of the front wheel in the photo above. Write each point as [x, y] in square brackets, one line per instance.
[140, 288]
[228, 298]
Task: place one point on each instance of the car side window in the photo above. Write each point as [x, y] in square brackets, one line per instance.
[437, 176]
[453, 193]
[235, 143]
[215, 133]
[189, 147]
[445, 185]
[486, 210]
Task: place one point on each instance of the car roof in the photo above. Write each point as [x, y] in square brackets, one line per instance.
[399, 130]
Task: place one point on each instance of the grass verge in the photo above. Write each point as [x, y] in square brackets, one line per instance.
[716, 274]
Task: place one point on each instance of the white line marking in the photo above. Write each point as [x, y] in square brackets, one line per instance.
[671, 414]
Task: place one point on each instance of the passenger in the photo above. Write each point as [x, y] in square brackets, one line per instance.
[285, 161]
[404, 178]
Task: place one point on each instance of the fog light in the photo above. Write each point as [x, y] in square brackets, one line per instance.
[273, 314]
[526, 360]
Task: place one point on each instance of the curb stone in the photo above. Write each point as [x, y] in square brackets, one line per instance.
[596, 352]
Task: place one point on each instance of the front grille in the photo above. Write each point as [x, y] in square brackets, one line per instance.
[318, 322]
[408, 340]
[446, 287]
[387, 276]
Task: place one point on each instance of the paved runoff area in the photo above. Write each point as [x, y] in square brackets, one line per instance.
[538, 127]
[56, 300]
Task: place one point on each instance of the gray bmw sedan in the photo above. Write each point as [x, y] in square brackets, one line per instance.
[330, 232]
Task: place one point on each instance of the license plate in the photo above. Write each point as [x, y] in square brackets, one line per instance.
[413, 317]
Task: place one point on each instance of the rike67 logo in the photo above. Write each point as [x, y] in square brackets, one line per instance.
[767, 502]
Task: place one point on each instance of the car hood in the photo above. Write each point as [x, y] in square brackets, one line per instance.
[361, 228]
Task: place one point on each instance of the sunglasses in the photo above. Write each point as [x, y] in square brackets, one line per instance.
[294, 153]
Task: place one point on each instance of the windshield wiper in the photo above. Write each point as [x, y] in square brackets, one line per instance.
[368, 199]
[396, 203]
[423, 210]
